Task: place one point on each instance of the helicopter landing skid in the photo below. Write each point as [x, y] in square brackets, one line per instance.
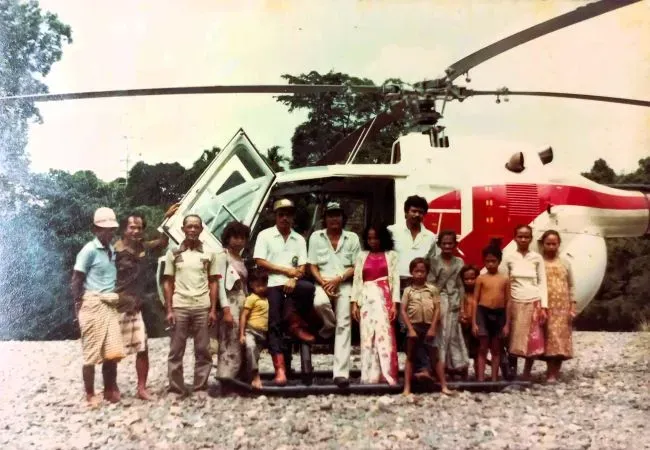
[322, 384]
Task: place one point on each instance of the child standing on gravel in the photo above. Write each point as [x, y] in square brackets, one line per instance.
[421, 314]
[468, 275]
[491, 318]
[253, 323]
[561, 305]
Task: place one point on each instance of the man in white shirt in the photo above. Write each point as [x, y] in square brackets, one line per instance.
[283, 253]
[332, 253]
[411, 239]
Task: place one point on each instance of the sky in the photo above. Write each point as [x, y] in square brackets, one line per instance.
[126, 44]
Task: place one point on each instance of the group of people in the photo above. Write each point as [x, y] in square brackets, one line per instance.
[400, 277]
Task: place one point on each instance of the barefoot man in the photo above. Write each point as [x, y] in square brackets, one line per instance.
[93, 291]
[131, 263]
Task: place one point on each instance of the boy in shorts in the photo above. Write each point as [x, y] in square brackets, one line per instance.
[253, 322]
[420, 310]
[491, 319]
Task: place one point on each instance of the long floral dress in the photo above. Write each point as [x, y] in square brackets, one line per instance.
[450, 341]
[559, 279]
[375, 284]
[232, 286]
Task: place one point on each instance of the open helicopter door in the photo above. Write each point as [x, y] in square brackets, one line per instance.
[233, 187]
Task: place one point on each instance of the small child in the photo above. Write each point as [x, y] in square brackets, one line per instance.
[421, 313]
[491, 318]
[468, 275]
[253, 323]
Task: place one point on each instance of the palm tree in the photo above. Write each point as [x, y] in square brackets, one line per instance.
[275, 159]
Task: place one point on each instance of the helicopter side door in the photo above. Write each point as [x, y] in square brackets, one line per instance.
[233, 187]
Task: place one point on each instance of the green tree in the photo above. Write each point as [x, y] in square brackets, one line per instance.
[331, 116]
[601, 173]
[157, 184]
[31, 41]
[275, 159]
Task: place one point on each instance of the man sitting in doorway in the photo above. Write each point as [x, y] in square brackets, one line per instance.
[332, 253]
[283, 253]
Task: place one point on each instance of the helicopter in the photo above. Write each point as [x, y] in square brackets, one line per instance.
[482, 199]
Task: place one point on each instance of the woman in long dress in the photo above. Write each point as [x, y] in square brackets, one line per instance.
[232, 294]
[561, 306]
[375, 298]
[445, 274]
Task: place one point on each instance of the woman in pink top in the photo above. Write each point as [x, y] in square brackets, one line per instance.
[375, 297]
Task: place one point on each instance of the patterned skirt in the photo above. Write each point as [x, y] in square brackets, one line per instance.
[526, 330]
[229, 353]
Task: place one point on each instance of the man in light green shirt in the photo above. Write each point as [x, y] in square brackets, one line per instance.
[190, 286]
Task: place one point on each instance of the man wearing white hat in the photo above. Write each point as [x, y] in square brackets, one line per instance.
[96, 303]
[283, 253]
[332, 253]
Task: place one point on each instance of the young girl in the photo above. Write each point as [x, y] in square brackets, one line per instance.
[561, 305]
[468, 275]
[374, 300]
[490, 319]
[527, 275]
[444, 273]
[421, 314]
[253, 324]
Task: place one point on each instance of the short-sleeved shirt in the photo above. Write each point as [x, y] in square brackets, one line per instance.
[191, 269]
[272, 247]
[98, 264]
[259, 308]
[527, 275]
[409, 248]
[421, 303]
[332, 262]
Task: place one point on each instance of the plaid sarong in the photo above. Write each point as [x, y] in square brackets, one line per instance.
[101, 337]
[134, 335]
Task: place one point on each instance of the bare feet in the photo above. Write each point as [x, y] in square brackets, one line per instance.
[257, 382]
[406, 392]
[112, 395]
[143, 394]
[446, 391]
[93, 401]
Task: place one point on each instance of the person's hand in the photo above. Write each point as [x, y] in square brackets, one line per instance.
[475, 330]
[292, 272]
[356, 315]
[411, 333]
[331, 287]
[171, 318]
[212, 317]
[172, 210]
[431, 333]
[392, 313]
[543, 315]
[572, 312]
[463, 319]
[289, 286]
[242, 339]
[506, 330]
[227, 317]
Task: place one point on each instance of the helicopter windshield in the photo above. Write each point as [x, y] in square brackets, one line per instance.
[231, 188]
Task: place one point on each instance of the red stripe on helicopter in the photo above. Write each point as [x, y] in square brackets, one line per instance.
[498, 208]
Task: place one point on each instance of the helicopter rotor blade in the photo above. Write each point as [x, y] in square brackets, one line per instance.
[598, 98]
[578, 15]
[241, 89]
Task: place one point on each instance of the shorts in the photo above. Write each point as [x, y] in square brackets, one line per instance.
[422, 344]
[490, 321]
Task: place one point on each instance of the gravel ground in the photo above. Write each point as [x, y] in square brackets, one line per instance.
[603, 401]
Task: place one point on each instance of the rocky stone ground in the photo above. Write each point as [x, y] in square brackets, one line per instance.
[603, 401]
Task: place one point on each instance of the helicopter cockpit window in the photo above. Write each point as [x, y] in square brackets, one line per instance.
[233, 193]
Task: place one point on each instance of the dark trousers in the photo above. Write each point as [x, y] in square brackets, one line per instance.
[284, 308]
